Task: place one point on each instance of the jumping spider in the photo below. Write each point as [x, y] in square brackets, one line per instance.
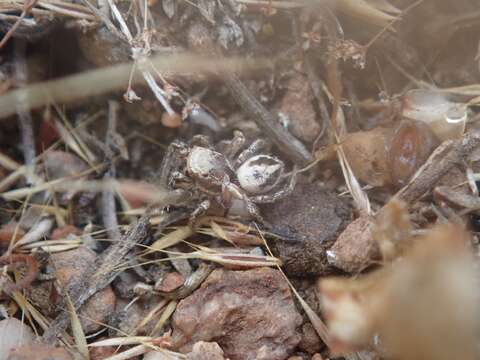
[235, 179]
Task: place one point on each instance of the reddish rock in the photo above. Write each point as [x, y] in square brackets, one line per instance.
[39, 352]
[170, 282]
[13, 333]
[250, 314]
[8, 232]
[70, 266]
[206, 351]
[64, 231]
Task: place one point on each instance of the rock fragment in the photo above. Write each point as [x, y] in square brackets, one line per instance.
[206, 351]
[355, 248]
[250, 314]
[39, 352]
[13, 333]
[309, 220]
[70, 266]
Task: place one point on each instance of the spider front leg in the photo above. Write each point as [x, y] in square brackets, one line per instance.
[200, 210]
[275, 196]
[201, 140]
[180, 180]
[254, 211]
[172, 160]
[254, 148]
[232, 147]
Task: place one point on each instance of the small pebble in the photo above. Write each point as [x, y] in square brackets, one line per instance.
[13, 333]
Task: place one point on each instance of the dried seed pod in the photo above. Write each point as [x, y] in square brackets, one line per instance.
[446, 118]
[389, 156]
[411, 145]
[367, 154]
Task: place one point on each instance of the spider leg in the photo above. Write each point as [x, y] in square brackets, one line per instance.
[200, 210]
[201, 140]
[235, 145]
[176, 177]
[172, 160]
[253, 149]
[272, 197]
[254, 211]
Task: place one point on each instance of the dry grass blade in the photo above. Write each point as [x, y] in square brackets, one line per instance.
[363, 10]
[142, 349]
[8, 163]
[77, 331]
[385, 6]
[220, 233]
[74, 142]
[52, 246]
[240, 260]
[122, 341]
[151, 314]
[63, 185]
[100, 81]
[130, 353]
[278, 4]
[167, 312]
[359, 196]
[30, 310]
[229, 230]
[172, 238]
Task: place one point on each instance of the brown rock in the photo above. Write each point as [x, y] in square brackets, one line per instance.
[170, 282]
[128, 317]
[355, 248]
[102, 48]
[206, 351]
[70, 266]
[309, 220]
[60, 164]
[297, 106]
[13, 333]
[10, 233]
[310, 342]
[250, 314]
[39, 352]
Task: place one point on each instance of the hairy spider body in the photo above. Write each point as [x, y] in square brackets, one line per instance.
[235, 181]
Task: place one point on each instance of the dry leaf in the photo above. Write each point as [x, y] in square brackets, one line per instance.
[364, 11]
[392, 229]
[422, 307]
